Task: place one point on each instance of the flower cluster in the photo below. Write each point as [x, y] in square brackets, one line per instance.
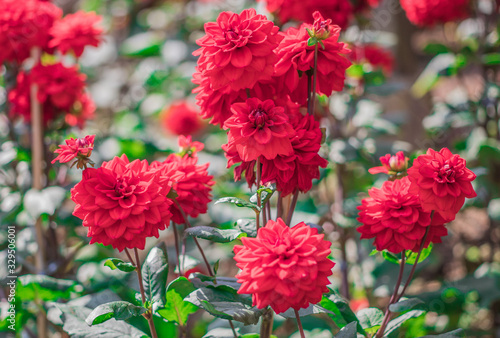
[431, 12]
[32, 25]
[414, 208]
[122, 203]
[284, 267]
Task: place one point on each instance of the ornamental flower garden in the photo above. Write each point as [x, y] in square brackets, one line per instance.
[250, 169]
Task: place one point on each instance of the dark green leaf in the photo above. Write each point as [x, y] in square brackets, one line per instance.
[370, 317]
[118, 310]
[397, 322]
[176, 308]
[265, 194]
[311, 309]
[238, 202]
[348, 331]
[200, 281]
[154, 274]
[390, 257]
[44, 287]
[214, 234]
[407, 304]
[411, 256]
[247, 225]
[340, 307]
[115, 263]
[216, 266]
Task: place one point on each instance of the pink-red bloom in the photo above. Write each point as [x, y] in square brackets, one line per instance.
[76, 31]
[431, 12]
[296, 63]
[284, 267]
[80, 148]
[374, 55]
[122, 203]
[237, 50]
[442, 181]
[258, 128]
[394, 216]
[391, 164]
[181, 119]
[23, 25]
[188, 147]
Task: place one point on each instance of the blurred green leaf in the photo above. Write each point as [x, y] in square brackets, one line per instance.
[247, 225]
[390, 257]
[348, 331]
[451, 334]
[119, 310]
[435, 48]
[115, 263]
[214, 234]
[407, 304]
[411, 256]
[142, 44]
[340, 307]
[31, 287]
[238, 202]
[396, 323]
[491, 59]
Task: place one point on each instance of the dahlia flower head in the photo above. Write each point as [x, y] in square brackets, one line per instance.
[76, 31]
[339, 11]
[442, 182]
[258, 128]
[180, 118]
[193, 187]
[394, 217]
[237, 50]
[391, 164]
[284, 267]
[80, 148]
[23, 25]
[374, 55]
[61, 90]
[431, 12]
[296, 61]
[122, 203]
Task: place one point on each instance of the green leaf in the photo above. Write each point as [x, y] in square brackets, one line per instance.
[340, 307]
[390, 257]
[115, 263]
[45, 288]
[435, 48]
[238, 202]
[142, 44]
[176, 308]
[265, 194]
[373, 252]
[247, 225]
[310, 310]
[451, 334]
[407, 304]
[223, 302]
[397, 322]
[214, 234]
[118, 310]
[348, 331]
[491, 59]
[370, 317]
[155, 273]
[216, 266]
[411, 256]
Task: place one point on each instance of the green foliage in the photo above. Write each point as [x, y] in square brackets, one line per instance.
[118, 310]
[115, 263]
[155, 273]
[370, 319]
[40, 287]
[238, 202]
[343, 314]
[176, 308]
[411, 256]
[214, 234]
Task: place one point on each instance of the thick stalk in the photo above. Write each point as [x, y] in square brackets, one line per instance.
[258, 170]
[299, 324]
[292, 207]
[394, 296]
[186, 222]
[266, 328]
[148, 315]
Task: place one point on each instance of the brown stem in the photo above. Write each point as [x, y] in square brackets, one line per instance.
[394, 296]
[292, 207]
[130, 257]
[309, 93]
[258, 169]
[149, 316]
[233, 329]
[186, 222]
[299, 324]
[315, 80]
[279, 207]
[176, 235]
[266, 328]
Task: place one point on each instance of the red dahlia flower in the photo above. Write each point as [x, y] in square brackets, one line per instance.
[284, 267]
[122, 203]
[258, 128]
[81, 148]
[23, 25]
[76, 31]
[193, 187]
[442, 181]
[181, 119]
[296, 62]
[339, 11]
[431, 12]
[394, 217]
[237, 50]
[374, 55]
[391, 164]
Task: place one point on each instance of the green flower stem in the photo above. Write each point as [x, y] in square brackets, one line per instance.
[148, 315]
